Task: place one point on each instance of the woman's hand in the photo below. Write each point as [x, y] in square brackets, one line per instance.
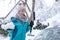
[31, 23]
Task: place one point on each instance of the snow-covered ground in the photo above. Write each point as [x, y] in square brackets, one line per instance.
[4, 38]
[46, 15]
[53, 22]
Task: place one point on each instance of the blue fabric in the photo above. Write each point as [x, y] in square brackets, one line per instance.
[19, 33]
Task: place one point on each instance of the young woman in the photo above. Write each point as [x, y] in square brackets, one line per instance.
[21, 25]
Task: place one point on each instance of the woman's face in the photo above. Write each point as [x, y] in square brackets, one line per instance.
[21, 12]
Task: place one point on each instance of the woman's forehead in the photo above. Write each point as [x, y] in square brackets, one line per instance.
[22, 10]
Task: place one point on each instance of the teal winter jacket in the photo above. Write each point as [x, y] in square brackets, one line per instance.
[19, 33]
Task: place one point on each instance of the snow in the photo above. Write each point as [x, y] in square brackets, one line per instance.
[54, 21]
[34, 32]
[49, 3]
[8, 26]
[4, 38]
[47, 11]
[6, 6]
[52, 31]
[48, 14]
[43, 12]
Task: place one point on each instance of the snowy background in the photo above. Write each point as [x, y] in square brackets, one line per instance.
[45, 11]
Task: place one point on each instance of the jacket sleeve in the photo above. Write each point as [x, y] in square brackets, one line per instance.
[12, 30]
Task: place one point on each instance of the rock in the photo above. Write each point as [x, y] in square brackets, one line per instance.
[49, 34]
